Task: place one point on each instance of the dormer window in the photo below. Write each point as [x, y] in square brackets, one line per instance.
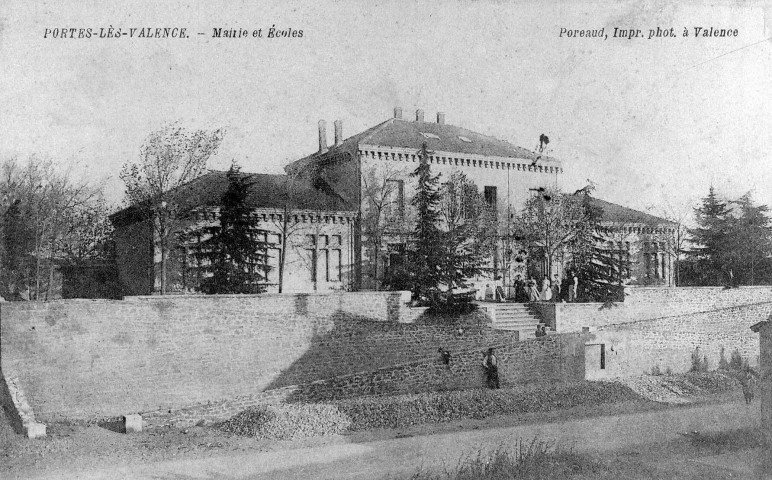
[430, 135]
[464, 139]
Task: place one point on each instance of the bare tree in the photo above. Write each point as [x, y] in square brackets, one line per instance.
[383, 198]
[552, 222]
[675, 238]
[470, 230]
[170, 158]
[42, 206]
[286, 222]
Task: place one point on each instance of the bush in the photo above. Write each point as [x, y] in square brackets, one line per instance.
[451, 303]
[655, 370]
[736, 361]
[699, 361]
[711, 382]
[696, 361]
[722, 363]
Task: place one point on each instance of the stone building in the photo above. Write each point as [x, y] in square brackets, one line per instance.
[328, 197]
[379, 161]
[318, 226]
[647, 243]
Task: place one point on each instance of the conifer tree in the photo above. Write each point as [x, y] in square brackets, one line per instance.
[713, 239]
[426, 262]
[236, 252]
[753, 241]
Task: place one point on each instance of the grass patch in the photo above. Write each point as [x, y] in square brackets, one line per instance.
[534, 459]
[727, 441]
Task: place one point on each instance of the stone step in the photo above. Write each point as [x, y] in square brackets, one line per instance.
[523, 323]
[515, 315]
[503, 307]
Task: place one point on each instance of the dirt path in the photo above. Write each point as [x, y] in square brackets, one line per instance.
[344, 458]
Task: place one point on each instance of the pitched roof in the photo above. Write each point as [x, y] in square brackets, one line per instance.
[756, 327]
[619, 214]
[400, 133]
[266, 191]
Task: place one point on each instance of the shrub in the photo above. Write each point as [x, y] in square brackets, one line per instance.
[711, 382]
[722, 363]
[736, 361]
[656, 371]
[696, 361]
[668, 371]
[699, 361]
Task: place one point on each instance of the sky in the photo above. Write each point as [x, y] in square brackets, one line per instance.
[653, 123]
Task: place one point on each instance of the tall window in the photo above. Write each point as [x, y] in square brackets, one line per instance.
[325, 255]
[394, 201]
[490, 198]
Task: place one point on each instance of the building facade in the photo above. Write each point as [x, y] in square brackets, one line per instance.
[343, 214]
[313, 228]
[374, 168]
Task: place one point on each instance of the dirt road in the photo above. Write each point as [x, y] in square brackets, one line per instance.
[346, 459]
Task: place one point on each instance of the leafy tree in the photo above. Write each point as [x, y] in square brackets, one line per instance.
[426, 262]
[169, 158]
[235, 254]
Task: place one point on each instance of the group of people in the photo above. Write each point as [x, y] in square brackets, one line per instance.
[553, 290]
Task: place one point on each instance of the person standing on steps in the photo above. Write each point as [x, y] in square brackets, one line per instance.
[546, 290]
[573, 290]
[533, 291]
[555, 288]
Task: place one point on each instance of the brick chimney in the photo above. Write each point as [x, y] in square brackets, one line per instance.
[419, 115]
[441, 118]
[338, 132]
[398, 113]
[322, 136]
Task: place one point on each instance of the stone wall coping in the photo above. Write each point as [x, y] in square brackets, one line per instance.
[680, 315]
[401, 293]
[685, 288]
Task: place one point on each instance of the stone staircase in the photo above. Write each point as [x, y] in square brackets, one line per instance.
[514, 316]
